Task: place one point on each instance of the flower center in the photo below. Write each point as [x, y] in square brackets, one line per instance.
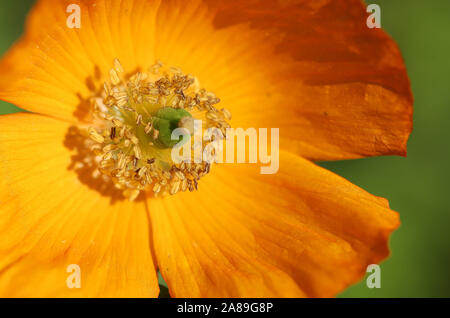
[134, 120]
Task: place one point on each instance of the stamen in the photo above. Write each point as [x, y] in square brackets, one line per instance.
[188, 123]
[136, 115]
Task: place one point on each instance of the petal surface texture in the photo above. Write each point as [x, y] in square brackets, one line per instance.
[334, 87]
[52, 217]
[302, 232]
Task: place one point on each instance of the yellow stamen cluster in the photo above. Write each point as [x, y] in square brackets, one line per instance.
[127, 140]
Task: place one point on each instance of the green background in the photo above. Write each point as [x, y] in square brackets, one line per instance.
[416, 186]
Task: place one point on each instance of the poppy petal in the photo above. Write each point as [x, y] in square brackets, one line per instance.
[301, 232]
[334, 87]
[52, 219]
[55, 69]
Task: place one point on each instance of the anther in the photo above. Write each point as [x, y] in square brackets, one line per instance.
[137, 116]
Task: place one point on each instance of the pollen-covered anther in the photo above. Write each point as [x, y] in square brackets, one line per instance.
[135, 117]
[187, 123]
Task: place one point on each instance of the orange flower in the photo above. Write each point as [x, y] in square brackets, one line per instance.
[335, 88]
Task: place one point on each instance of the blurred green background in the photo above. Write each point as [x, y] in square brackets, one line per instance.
[416, 186]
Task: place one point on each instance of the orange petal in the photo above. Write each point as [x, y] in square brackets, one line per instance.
[335, 88]
[53, 69]
[301, 232]
[52, 216]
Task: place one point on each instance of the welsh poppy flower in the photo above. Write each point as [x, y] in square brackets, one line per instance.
[334, 87]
